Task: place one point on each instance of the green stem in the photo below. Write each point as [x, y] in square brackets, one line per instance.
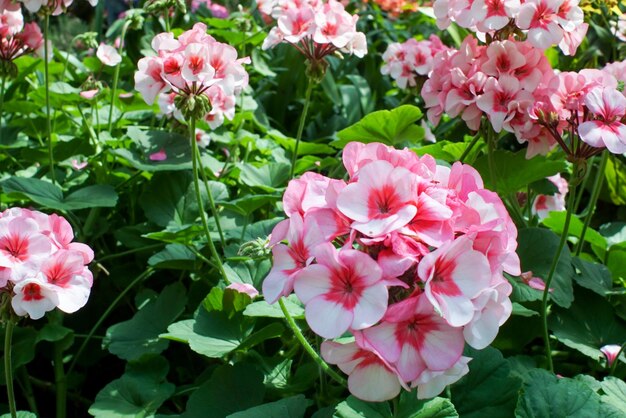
[595, 193]
[106, 314]
[211, 200]
[555, 262]
[469, 148]
[27, 389]
[8, 366]
[116, 75]
[99, 20]
[307, 347]
[60, 380]
[194, 158]
[46, 55]
[614, 365]
[2, 86]
[128, 252]
[307, 103]
[491, 142]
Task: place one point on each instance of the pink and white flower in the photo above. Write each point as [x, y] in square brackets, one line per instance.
[606, 130]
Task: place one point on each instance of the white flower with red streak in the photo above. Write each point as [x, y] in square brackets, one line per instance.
[608, 106]
[343, 290]
[381, 200]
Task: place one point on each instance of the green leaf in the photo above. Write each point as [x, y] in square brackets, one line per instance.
[593, 276]
[213, 334]
[269, 177]
[248, 271]
[521, 310]
[513, 172]
[411, 407]
[138, 393]
[23, 349]
[20, 414]
[53, 332]
[392, 127]
[355, 408]
[546, 396]
[556, 220]
[230, 389]
[614, 393]
[132, 339]
[292, 407]
[536, 248]
[173, 256]
[51, 196]
[615, 174]
[96, 196]
[262, 308]
[588, 325]
[489, 390]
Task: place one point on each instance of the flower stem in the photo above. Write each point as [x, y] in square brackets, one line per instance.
[116, 74]
[307, 103]
[595, 193]
[194, 159]
[2, 86]
[46, 56]
[218, 225]
[105, 315]
[8, 367]
[60, 380]
[491, 142]
[555, 261]
[469, 147]
[307, 347]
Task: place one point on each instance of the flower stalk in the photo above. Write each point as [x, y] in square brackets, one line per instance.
[8, 367]
[46, 55]
[116, 75]
[595, 193]
[305, 110]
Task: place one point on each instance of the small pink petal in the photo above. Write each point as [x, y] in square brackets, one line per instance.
[611, 352]
[89, 94]
[248, 289]
[158, 156]
[78, 165]
[534, 282]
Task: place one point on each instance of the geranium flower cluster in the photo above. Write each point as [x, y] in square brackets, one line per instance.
[397, 7]
[499, 81]
[217, 10]
[406, 61]
[545, 22]
[315, 28]
[40, 267]
[195, 74]
[587, 104]
[407, 256]
[53, 7]
[17, 38]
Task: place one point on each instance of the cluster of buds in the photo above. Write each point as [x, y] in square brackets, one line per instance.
[407, 256]
[194, 75]
[316, 29]
[40, 267]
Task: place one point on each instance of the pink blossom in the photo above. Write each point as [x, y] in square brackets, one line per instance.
[380, 201]
[611, 352]
[454, 274]
[492, 307]
[289, 261]
[371, 378]
[244, 288]
[607, 130]
[534, 282]
[79, 165]
[413, 337]
[108, 55]
[544, 204]
[343, 290]
[33, 297]
[89, 94]
[160, 155]
[431, 383]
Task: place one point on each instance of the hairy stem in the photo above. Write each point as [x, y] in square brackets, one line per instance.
[205, 224]
[307, 103]
[555, 261]
[46, 70]
[307, 347]
[595, 193]
[8, 368]
[116, 75]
